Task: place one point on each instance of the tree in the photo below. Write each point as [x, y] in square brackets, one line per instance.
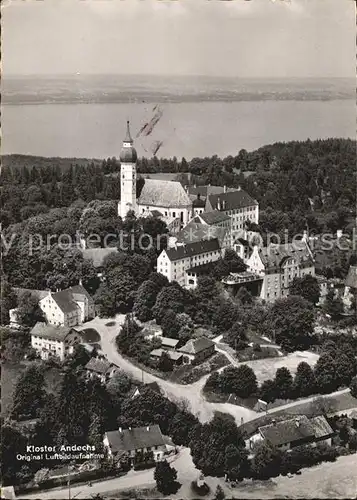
[145, 298]
[209, 442]
[325, 374]
[266, 461]
[353, 387]
[28, 311]
[29, 394]
[267, 391]
[7, 301]
[116, 294]
[172, 297]
[236, 462]
[236, 336]
[244, 296]
[120, 384]
[165, 477]
[306, 287]
[169, 325]
[79, 358]
[219, 494]
[128, 334]
[165, 362]
[73, 417]
[224, 314]
[304, 381]
[333, 305]
[292, 320]
[240, 381]
[283, 383]
[344, 368]
[12, 440]
[213, 382]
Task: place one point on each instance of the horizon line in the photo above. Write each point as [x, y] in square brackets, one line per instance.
[174, 75]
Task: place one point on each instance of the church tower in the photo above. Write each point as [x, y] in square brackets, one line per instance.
[128, 159]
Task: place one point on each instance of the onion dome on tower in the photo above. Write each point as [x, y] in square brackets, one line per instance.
[128, 152]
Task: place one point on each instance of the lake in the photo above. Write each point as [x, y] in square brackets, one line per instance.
[188, 129]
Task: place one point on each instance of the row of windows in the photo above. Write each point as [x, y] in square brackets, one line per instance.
[240, 210]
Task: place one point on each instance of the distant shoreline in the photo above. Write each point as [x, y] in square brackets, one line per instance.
[174, 100]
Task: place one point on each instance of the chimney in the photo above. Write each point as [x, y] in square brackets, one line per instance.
[218, 203]
[273, 421]
[148, 428]
[198, 196]
[339, 233]
[80, 281]
[297, 422]
[225, 189]
[241, 421]
[120, 429]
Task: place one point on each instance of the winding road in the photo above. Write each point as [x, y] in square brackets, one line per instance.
[192, 393]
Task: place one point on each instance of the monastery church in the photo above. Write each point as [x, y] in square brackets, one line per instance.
[167, 199]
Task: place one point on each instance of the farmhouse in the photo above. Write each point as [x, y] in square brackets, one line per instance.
[101, 369]
[293, 432]
[134, 441]
[197, 350]
[69, 307]
[54, 341]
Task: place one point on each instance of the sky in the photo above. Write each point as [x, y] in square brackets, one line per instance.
[237, 38]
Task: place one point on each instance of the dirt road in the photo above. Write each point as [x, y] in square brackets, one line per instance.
[264, 368]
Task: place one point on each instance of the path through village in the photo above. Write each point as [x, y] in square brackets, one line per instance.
[192, 393]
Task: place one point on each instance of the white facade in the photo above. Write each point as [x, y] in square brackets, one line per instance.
[52, 347]
[240, 215]
[54, 315]
[175, 270]
[77, 308]
[181, 213]
[277, 281]
[127, 187]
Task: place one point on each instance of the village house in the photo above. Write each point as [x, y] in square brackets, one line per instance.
[176, 357]
[168, 343]
[173, 262]
[197, 350]
[54, 341]
[69, 307]
[297, 431]
[101, 369]
[278, 265]
[135, 441]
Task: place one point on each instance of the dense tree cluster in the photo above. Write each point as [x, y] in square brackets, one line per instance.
[240, 381]
[296, 183]
[334, 368]
[291, 322]
[217, 447]
[306, 287]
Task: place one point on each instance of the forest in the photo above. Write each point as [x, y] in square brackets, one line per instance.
[297, 184]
